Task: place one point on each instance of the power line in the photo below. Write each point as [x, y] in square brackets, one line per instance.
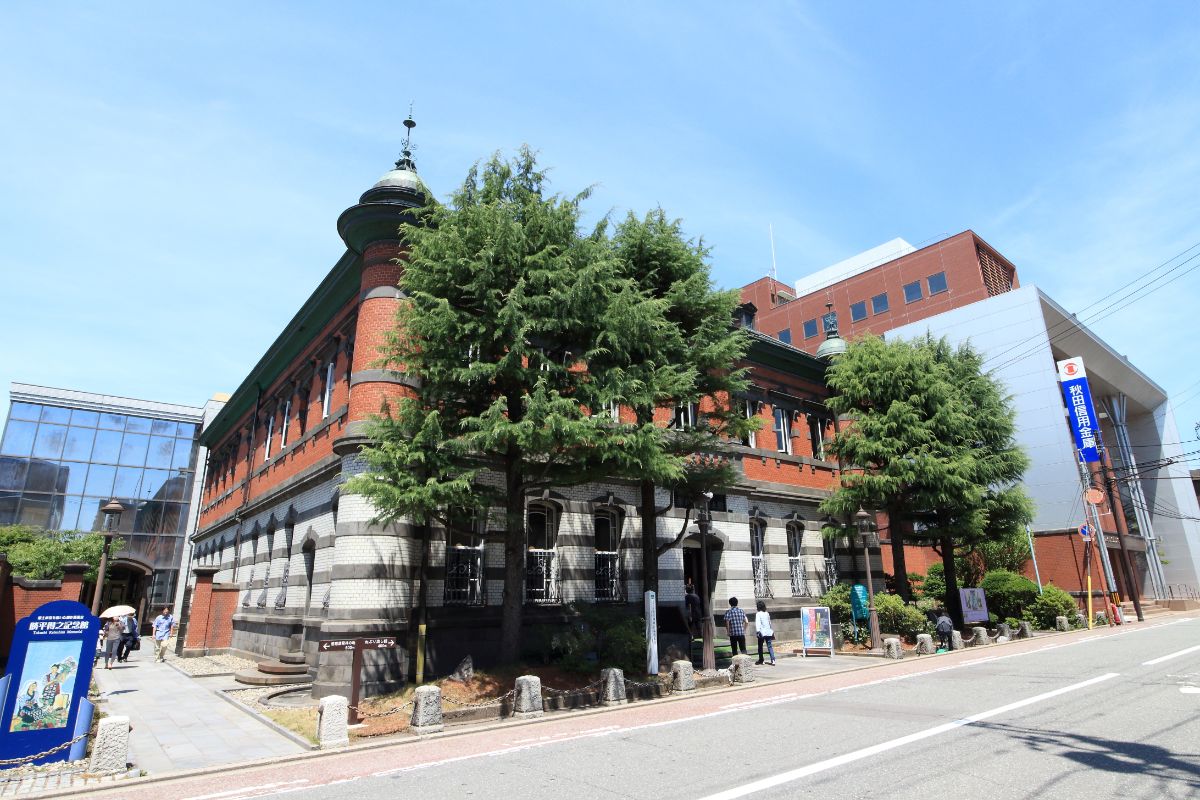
[1067, 326]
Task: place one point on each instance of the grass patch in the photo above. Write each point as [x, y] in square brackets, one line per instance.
[301, 721]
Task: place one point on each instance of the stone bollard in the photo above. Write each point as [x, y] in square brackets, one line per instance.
[1061, 624]
[741, 670]
[1025, 631]
[891, 648]
[528, 699]
[110, 751]
[956, 640]
[724, 675]
[979, 637]
[925, 644]
[332, 720]
[427, 711]
[1003, 629]
[612, 693]
[1002, 640]
[683, 678]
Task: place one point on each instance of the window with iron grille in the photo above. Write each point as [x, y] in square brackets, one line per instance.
[607, 525]
[758, 535]
[541, 562]
[464, 561]
[796, 571]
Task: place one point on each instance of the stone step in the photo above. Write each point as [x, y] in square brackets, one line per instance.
[295, 657]
[279, 668]
[252, 677]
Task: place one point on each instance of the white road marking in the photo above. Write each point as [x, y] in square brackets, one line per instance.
[1169, 656]
[1190, 689]
[244, 790]
[883, 747]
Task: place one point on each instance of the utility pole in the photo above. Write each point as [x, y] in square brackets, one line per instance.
[1110, 484]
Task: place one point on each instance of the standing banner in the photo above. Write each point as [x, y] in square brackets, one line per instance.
[651, 633]
[50, 669]
[816, 631]
[1078, 397]
[974, 605]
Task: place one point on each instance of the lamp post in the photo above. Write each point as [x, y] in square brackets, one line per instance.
[708, 656]
[869, 539]
[112, 517]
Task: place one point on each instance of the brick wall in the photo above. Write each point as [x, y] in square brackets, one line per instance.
[20, 597]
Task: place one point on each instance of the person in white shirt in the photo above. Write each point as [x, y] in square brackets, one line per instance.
[762, 627]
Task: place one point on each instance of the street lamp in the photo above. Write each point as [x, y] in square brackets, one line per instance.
[869, 539]
[112, 518]
[708, 656]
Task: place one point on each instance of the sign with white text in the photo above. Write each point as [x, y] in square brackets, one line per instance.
[1082, 414]
[651, 633]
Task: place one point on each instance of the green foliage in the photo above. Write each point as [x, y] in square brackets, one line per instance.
[932, 440]
[600, 636]
[838, 600]
[934, 586]
[1008, 594]
[40, 555]
[896, 616]
[1051, 603]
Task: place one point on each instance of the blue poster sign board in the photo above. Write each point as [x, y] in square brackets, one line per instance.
[50, 669]
[859, 606]
[1085, 425]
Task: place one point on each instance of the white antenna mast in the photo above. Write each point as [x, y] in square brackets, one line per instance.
[771, 233]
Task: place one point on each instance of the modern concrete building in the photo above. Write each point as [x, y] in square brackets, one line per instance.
[65, 453]
[965, 290]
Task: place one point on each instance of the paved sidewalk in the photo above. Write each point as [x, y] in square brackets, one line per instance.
[179, 722]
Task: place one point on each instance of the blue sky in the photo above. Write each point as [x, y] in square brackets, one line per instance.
[172, 174]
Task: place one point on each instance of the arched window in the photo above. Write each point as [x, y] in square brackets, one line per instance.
[607, 525]
[309, 554]
[831, 571]
[796, 570]
[541, 566]
[464, 560]
[758, 537]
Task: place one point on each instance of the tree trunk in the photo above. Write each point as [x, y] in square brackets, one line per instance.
[953, 606]
[649, 517]
[899, 568]
[514, 564]
[420, 610]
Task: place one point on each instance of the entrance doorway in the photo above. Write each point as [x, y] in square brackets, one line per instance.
[691, 563]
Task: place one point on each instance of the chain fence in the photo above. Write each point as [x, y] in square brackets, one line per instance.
[9, 763]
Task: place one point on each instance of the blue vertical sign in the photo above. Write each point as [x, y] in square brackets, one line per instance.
[49, 670]
[1082, 414]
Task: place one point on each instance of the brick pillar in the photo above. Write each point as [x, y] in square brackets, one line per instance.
[200, 611]
[72, 582]
[371, 387]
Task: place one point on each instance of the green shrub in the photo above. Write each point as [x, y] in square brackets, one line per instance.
[934, 586]
[896, 617]
[599, 636]
[838, 600]
[1008, 594]
[1052, 602]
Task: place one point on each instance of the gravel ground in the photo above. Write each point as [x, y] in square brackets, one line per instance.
[212, 665]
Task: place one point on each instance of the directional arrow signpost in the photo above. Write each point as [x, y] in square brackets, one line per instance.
[357, 646]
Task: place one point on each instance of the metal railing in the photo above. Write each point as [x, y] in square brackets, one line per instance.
[608, 575]
[541, 576]
[831, 573]
[762, 586]
[799, 576]
[464, 576]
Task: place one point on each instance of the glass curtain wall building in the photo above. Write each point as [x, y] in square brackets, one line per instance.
[65, 453]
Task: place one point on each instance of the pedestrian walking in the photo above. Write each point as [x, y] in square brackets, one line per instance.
[691, 602]
[129, 635]
[764, 631]
[735, 626]
[164, 628]
[112, 640]
[944, 627]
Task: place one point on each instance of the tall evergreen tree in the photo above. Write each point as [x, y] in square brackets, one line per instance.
[508, 303]
[930, 442]
[690, 369]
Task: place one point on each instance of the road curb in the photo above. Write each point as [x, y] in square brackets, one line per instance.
[509, 724]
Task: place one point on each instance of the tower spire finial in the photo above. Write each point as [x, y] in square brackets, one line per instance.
[406, 160]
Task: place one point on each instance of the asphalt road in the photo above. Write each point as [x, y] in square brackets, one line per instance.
[1087, 715]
